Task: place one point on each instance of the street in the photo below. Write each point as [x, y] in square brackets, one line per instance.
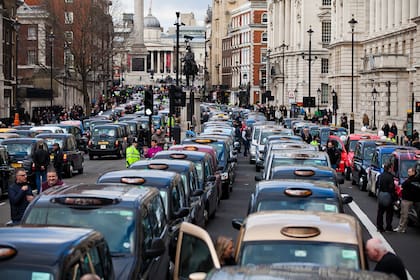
[364, 207]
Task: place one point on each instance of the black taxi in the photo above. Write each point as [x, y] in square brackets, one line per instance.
[297, 195]
[106, 140]
[34, 252]
[206, 174]
[133, 221]
[195, 196]
[72, 156]
[6, 171]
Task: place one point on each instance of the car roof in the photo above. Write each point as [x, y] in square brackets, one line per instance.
[120, 192]
[185, 155]
[407, 154]
[299, 153]
[54, 135]
[362, 136]
[55, 242]
[279, 185]
[268, 225]
[174, 165]
[153, 178]
[21, 140]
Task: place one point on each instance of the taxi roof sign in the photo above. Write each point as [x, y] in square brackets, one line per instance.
[133, 180]
[300, 231]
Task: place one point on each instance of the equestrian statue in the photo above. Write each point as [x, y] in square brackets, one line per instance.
[190, 66]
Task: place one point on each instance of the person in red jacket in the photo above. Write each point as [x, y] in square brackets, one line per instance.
[52, 180]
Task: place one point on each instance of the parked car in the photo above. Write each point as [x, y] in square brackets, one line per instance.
[132, 220]
[196, 197]
[72, 156]
[6, 135]
[297, 195]
[362, 158]
[48, 252]
[21, 151]
[6, 171]
[106, 139]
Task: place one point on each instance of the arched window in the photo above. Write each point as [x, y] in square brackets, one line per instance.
[264, 18]
[264, 37]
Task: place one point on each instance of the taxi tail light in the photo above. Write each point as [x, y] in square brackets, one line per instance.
[117, 143]
[65, 157]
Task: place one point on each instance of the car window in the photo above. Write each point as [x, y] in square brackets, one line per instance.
[320, 205]
[116, 224]
[50, 141]
[200, 171]
[323, 253]
[195, 256]
[18, 148]
[368, 152]
[157, 208]
[104, 132]
[147, 224]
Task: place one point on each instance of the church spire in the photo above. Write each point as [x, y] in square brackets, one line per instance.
[150, 8]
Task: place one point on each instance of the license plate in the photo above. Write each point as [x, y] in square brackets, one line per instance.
[16, 165]
[102, 142]
[103, 147]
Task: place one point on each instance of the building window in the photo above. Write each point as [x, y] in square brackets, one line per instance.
[264, 18]
[32, 31]
[324, 65]
[263, 55]
[68, 17]
[326, 32]
[68, 36]
[32, 57]
[326, 2]
[264, 37]
[68, 1]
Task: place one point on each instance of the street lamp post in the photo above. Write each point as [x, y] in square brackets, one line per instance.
[268, 72]
[283, 46]
[352, 23]
[51, 40]
[334, 97]
[309, 59]
[374, 97]
[292, 112]
[319, 96]
[16, 26]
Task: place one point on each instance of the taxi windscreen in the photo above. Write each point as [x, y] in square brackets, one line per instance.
[319, 253]
[116, 224]
[299, 161]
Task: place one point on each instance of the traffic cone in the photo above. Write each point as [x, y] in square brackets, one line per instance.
[16, 121]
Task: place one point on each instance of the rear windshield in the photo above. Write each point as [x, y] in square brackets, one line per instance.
[320, 253]
[22, 149]
[304, 204]
[104, 132]
[117, 225]
[299, 161]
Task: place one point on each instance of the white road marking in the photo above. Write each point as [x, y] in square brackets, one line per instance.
[2, 203]
[371, 228]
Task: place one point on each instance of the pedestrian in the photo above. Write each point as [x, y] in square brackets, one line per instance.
[52, 179]
[132, 154]
[20, 195]
[386, 128]
[306, 136]
[150, 152]
[365, 120]
[386, 197]
[410, 195]
[394, 129]
[316, 142]
[246, 138]
[333, 154]
[58, 160]
[41, 160]
[159, 137]
[224, 250]
[387, 262]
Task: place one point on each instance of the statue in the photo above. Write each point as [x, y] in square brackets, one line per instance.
[190, 66]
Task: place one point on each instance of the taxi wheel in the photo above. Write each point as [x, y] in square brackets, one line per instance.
[362, 183]
[257, 168]
[120, 154]
[70, 171]
[90, 157]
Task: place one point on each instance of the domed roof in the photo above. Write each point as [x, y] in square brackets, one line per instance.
[150, 21]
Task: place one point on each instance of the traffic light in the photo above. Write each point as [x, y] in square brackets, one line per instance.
[417, 106]
[308, 101]
[148, 101]
[335, 102]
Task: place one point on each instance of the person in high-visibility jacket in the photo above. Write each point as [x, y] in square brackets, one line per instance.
[132, 154]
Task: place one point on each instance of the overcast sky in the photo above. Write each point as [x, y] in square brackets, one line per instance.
[164, 10]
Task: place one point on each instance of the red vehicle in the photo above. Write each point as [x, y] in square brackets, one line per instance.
[350, 145]
[339, 144]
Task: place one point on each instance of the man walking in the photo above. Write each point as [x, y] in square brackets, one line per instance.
[132, 154]
[387, 262]
[20, 195]
[386, 185]
[58, 159]
[41, 161]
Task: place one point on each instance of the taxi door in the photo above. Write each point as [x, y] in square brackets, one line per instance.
[195, 252]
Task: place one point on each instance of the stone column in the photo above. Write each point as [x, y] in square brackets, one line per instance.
[413, 8]
[405, 11]
[391, 6]
[372, 16]
[418, 9]
[287, 22]
[152, 61]
[165, 61]
[398, 12]
[384, 15]
[282, 23]
[377, 15]
[139, 21]
[158, 62]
